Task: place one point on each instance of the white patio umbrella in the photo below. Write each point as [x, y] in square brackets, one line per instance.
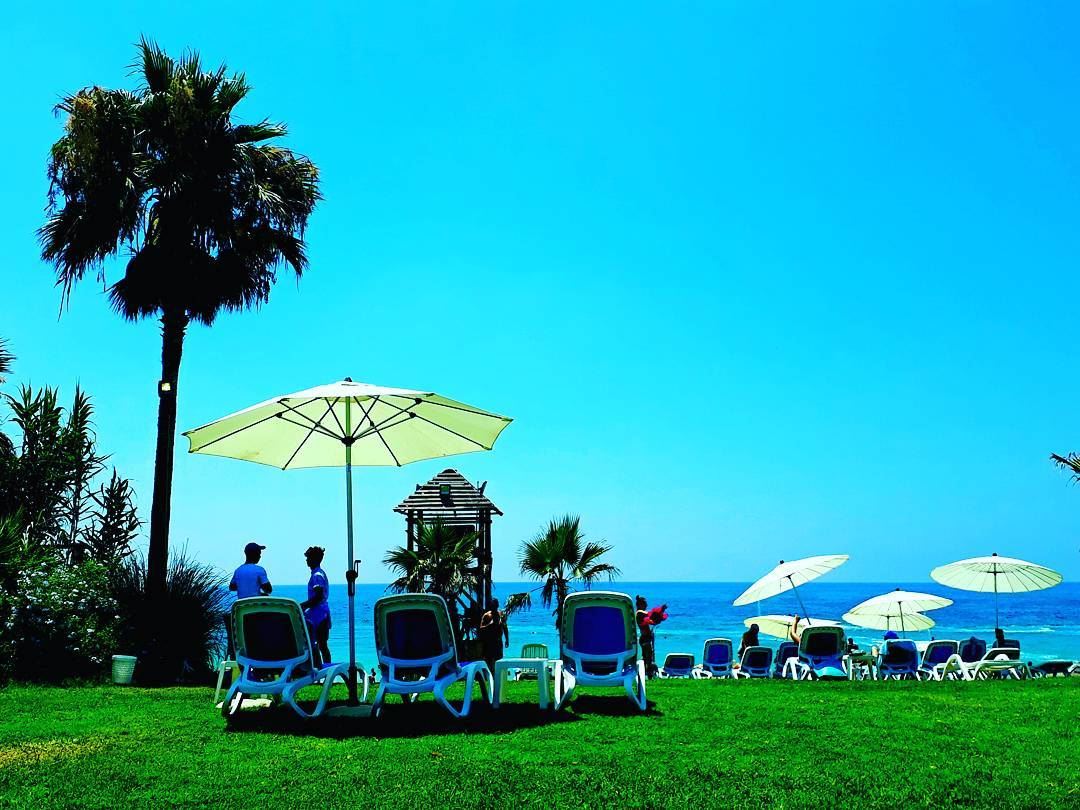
[997, 574]
[788, 576]
[779, 626]
[885, 621]
[896, 606]
[343, 424]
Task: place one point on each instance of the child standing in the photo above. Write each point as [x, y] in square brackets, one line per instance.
[317, 606]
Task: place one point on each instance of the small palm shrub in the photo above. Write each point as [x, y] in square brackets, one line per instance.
[179, 635]
[59, 621]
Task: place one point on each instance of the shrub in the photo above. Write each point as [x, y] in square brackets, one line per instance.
[59, 621]
[179, 635]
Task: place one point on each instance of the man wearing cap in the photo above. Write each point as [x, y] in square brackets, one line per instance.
[250, 578]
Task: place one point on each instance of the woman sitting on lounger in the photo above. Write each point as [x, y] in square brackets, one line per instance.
[796, 633]
[749, 639]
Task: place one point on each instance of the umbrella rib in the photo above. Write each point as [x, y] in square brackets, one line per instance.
[377, 429]
[334, 414]
[316, 427]
[365, 414]
[313, 422]
[464, 409]
[233, 432]
[378, 432]
[299, 447]
[449, 430]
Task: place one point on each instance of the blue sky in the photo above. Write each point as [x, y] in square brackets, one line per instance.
[755, 282]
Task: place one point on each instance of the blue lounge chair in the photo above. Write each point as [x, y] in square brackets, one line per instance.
[786, 650]
[934, 657]
[273, 652]
[678, 665]
[756, 662]
[972, 650]
[899, 660]
[718, 658]
[417, 653]
[598, 646]
[821, 654]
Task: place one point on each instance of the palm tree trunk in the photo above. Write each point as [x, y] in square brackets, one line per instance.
[173, 326]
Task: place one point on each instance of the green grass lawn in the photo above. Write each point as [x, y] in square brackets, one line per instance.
[705, 743]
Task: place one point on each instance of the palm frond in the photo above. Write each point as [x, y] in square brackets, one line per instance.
[1069, 463]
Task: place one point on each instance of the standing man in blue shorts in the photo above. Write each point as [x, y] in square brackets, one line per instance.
[317, 607]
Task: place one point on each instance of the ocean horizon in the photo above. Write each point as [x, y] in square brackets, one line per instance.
[1047, 623]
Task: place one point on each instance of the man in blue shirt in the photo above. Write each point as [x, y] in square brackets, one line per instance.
[317, 607]
[250, 579]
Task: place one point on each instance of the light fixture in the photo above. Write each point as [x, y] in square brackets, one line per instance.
[164, 387]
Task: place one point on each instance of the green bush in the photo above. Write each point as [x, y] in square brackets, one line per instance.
[179, 635]
[59, 621]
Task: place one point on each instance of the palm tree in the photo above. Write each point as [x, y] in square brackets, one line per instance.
[7, 359]
[205, 209]
[558, 557]
[442, 561]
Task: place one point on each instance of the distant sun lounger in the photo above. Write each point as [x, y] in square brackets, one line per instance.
[756, 662]
[821, 652]
[678, 665]
[717, 659]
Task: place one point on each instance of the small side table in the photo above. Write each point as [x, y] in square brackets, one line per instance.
[541, 666]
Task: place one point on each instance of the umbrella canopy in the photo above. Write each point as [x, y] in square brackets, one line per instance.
[381, 426]
[788, 576]
[883, 621]
[779, 626]
[997, 574]
[346, 423]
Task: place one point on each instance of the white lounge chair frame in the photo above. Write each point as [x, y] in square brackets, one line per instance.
[294, 673]
[797, 669]
[932, 672]
[629, 670]
[998, 660]
[473, 673]
[741, 672]
[707, 670]
[679, 672]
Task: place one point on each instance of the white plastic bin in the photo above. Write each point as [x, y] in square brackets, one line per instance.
[123, 666]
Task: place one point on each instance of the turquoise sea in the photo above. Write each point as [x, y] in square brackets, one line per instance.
[1047, 623]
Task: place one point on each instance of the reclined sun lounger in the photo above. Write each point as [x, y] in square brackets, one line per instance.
[899, 660]
[756, 662]
[998, 662]
[717, 659]
[678, 665]
[786, 650]
[934, 656]
[1053, 669]
[273, 652]
[417, 653]
[821, 654]
[598, 646]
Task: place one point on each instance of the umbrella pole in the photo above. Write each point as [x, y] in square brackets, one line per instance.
[350, 574]
[997, 618]
[801, 605]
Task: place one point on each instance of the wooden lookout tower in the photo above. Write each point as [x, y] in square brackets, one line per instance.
[449, 497]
